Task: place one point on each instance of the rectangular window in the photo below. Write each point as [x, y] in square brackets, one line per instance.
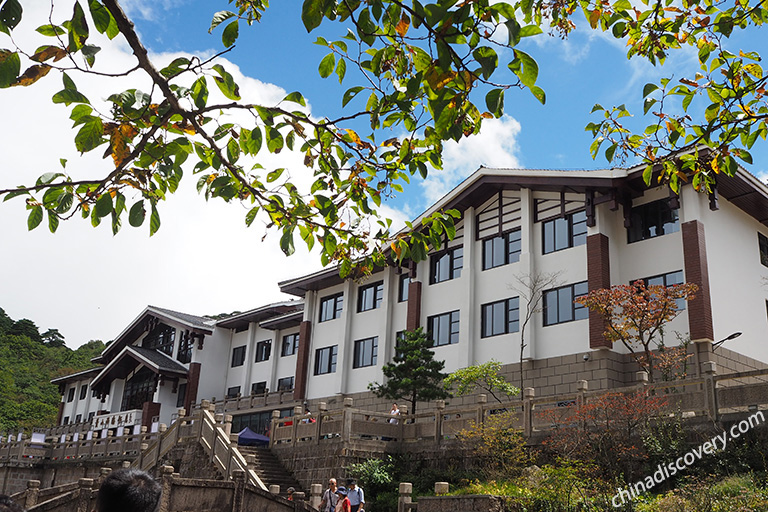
[233, 392]
[399, 336]
[762, 242]
[443, 329]
[238, 356]
[290, 344]
[285, 384]
[330, 307]
[446, 265]
[83, 392]
[559, 306]
[71, 394]
[91, 415]
[668, 279]
[259, 388]
[365, 352]
[502, 250]
[404, 281]
[184, 353]
[651, 220]
[370, 296]
[501, 317]
[78, 418]
[263, 350]
[564, 232]
[160, 338]
[181, 395]
[66, 420]
[325, 360]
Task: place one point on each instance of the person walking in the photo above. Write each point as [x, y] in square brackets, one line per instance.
[328, 502]
[356, 495]
[342, 504]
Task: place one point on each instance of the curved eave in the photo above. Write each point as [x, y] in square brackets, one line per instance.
[128, 359]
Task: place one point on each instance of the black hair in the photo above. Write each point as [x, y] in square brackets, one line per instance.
[8, 505]
[128, 490]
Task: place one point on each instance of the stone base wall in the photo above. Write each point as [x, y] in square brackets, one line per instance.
[729, 361]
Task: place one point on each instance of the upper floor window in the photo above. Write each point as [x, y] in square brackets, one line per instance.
[160, 338]
[668, 279]
[365, 352]
[71, 394]
[404, 280]
[285, 384]
[559, 305]
[762, 242]
[263, 350]
[443, 329]
[290, 344]
[564, 232]
[238, 356]
[651, 220]
[325, 360]
[184, 353]
[181, 395]
[500, 317]
[233, 392]
[446, 265]
[83, 391]
[370, 296]
[330, 307]
[501, 250]
[259, 388]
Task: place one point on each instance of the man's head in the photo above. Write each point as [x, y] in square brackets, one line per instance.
[128, 490]
[351, 483]
[8, 505]
[332, 483]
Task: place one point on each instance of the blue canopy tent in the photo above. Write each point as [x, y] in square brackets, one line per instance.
[248, 437]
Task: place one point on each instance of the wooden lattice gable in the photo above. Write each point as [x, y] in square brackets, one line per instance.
[551, 205]
[498, 215]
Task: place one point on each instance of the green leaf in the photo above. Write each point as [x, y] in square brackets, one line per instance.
[230, 34]
[102, 18]
[51, 30]
[103, 206]
[488, 60]
[174, 68]
[199, 92]
[312, 14]
[296, 97]
[530, 69]
[494, 100]
[327, 65]
[78, 28]
[219, 18]
[272, 176]
[90, 135]
[53, 221]
[251, 141]
[286, 241]
[154, 221]
[226, 83]
[539, 94]
[274, 140]
[35, 217]
[341, 69]
[251, 215]
[137, 214]
[10, 67]
[648, 89]
[10, 15]
[349, 94]
[530, 30]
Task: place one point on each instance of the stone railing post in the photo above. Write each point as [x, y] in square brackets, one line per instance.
[238, 500]
[322, 409]
[33, 492]
[85, 485]
[582, 386]
[166, 481]
[710, 388]
[642, 378]
[441, 488]
[274, 489]
[315, 495]
[104, 472]
[528, 395]
[482, 400]
[346, 423]
[439, 411]
[273, 427]
[227, 424]
[404, 499]
[298, 413]
[298, 500]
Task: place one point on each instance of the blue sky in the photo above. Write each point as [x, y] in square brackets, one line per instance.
[90, 285]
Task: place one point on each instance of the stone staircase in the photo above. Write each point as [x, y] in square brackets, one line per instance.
[270, 469]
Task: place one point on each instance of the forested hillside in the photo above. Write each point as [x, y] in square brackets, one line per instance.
[28, 361]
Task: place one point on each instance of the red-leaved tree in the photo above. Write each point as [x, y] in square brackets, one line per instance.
[636, 314]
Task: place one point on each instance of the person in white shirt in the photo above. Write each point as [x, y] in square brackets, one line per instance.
[355, 495]
[328, 503]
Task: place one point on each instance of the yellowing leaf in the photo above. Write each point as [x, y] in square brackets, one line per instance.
[438, 80]
[354, 136]
[32, 75]
[403, 26]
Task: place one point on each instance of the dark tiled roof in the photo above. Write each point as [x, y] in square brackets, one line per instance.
[162, 361]
[192, 320]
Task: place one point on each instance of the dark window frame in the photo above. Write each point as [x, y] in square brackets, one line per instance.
[667, 280]
[331, 307]
[162, 338]
[289, 345]
[453, 261]
[83, 391]
[510, 322]
[576, 312]
[365, 352]
[71, 394]
[575, 232]
[263, 351]
[648, 221]
[762, 244]
[502, 249]
[184, 352]
[181, 394]
[438, 339]
[370, 296]
[238, 356]
[282, 383]
[233, 391]
[404, 281]
[325, 364]
[259, 388]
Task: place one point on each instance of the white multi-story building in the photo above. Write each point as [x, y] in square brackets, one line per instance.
[592, 229]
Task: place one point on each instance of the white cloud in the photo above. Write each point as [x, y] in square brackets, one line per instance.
[495, 146]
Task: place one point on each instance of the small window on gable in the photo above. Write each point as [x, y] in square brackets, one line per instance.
[71, 394]
[83, 392]
[501, 250]
[651, 220]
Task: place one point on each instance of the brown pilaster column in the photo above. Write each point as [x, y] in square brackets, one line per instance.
[598, 276]
[697, 271]
[413, 318]
[302, 362]
[61, 413]
[148, 411]
[193, 381]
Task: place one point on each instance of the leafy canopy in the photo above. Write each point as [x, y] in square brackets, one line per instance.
[414, 374]
[430, 71]
[484, 376]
